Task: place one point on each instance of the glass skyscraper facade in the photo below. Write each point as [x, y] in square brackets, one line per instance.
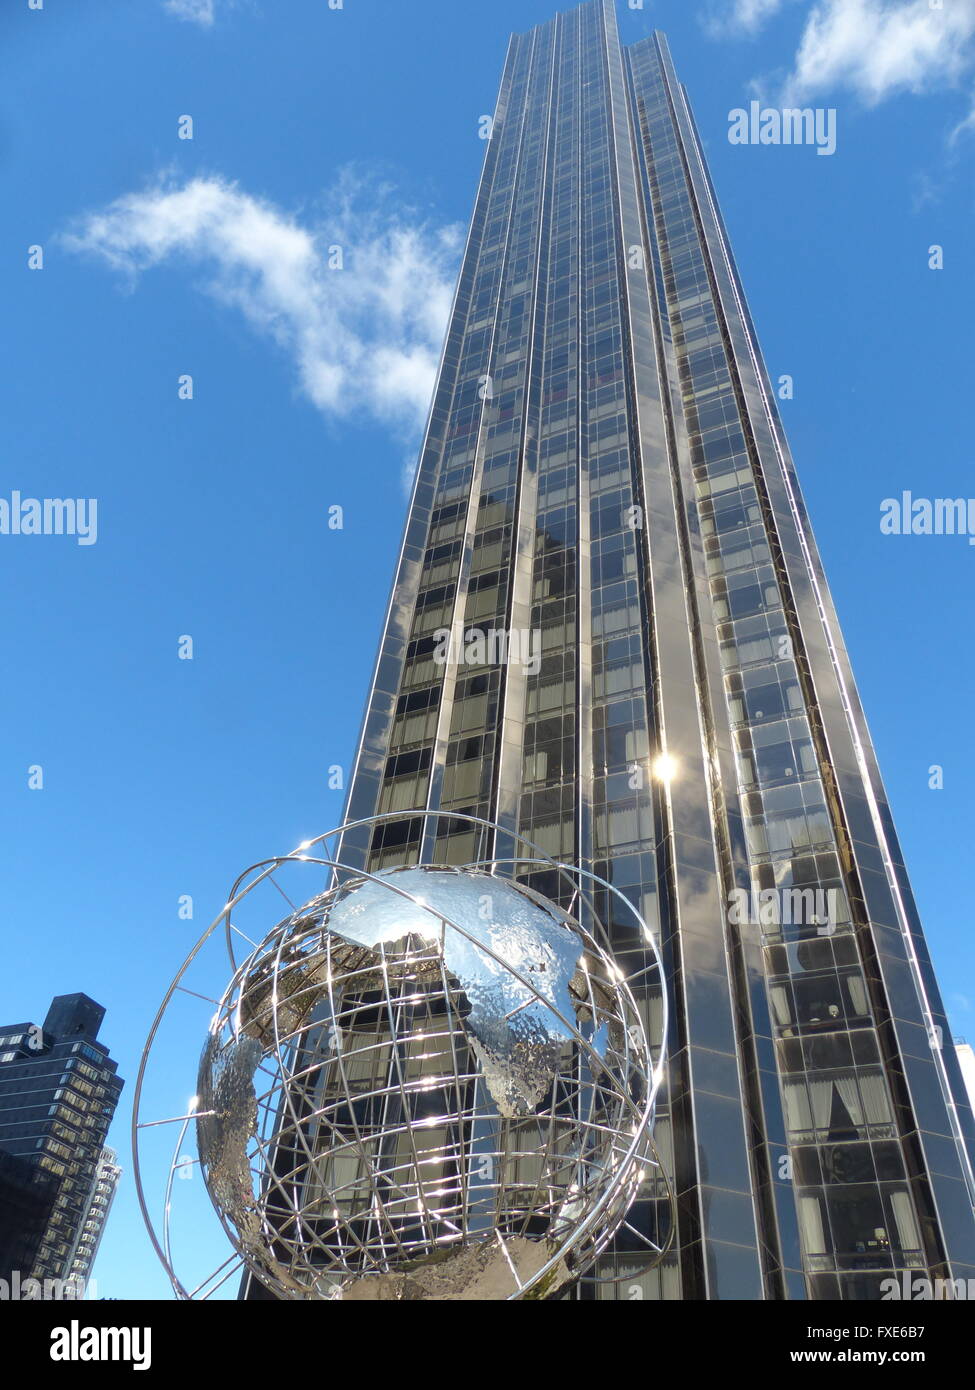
[58, 1092]
[605, 481]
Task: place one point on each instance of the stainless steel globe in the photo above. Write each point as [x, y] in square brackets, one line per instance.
[426, 1083]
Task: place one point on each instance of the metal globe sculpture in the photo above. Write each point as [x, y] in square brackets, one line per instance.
[424, 1083]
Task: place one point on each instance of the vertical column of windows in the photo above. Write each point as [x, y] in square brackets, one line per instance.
[473, 694]
[479, 727]
[622, 843]
[837, 1109]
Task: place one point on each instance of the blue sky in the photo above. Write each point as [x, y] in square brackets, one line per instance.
[163, 257]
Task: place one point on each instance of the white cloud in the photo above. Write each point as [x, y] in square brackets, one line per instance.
[877, 48]
[365, 338]
[965, 127]
[748, 15]
[196, 11]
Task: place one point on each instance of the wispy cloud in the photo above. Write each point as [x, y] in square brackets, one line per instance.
[965, 127]
[742, 16]
[873, 48]
[196, 11]
[359, 299]
[878, 48]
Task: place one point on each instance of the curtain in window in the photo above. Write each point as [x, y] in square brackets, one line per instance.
[781, 1006]
[857, 989]
[811, 1226]
[623, 678]
[876, 1106]
[629, 824]
[821, 1096]
[552, 837]
[798, 1117]
[404, 794]
[623, 826]
[907, 1231]
[787, 832]
[637, 745]
[850, 1096]
[756, 837]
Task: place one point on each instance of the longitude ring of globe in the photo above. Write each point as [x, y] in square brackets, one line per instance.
[429, 1081]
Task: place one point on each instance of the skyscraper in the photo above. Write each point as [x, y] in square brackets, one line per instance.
[610, 633]
[58, 1093]
[101, 1195]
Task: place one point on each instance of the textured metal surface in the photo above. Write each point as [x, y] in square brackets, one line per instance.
[228, 1103]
